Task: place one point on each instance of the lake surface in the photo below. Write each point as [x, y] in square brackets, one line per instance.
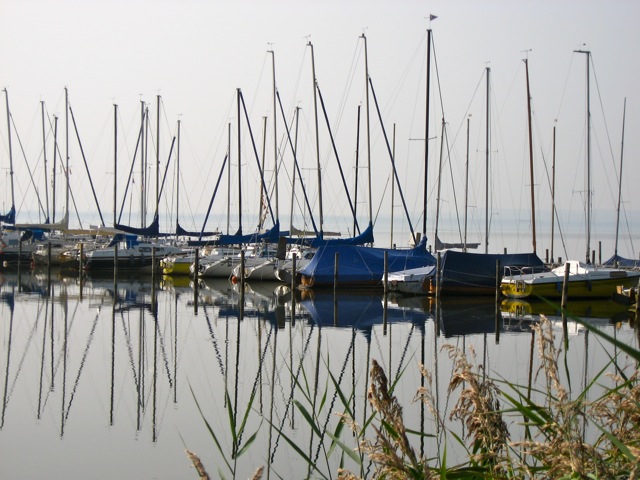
[106, 381]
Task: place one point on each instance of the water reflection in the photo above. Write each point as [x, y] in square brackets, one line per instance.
[122, 364]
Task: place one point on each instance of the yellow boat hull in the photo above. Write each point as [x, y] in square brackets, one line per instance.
[601, 288]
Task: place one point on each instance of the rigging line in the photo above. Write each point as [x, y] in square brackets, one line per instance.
[404, 204]
[132, 363]
[455, 197]
[133, 164]
[95, 198]
[604, 118]
[384, 192]
[24, 156]
[122, 133]
[630, 237]
[24, 354]
[350, 79]
[213, 150]
[335, 151]
[259, 371]
[254, 96]
[466, 112]
[214, 341]
[82, 363]
[404, 352]
[330, 411]
[564, 90]
[164, 353]
[435, 62]
[293, 389]
[546, 170]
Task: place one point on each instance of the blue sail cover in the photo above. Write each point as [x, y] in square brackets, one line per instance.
[153, 230]
[270, 236]
[186, 233]
[475, 273]
[620, 262]
[362, 239]
[9, 217]
[361, 266]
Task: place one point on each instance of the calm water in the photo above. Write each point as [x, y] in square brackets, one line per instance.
[103, 381]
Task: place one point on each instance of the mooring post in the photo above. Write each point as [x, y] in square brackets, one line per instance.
[49, 259]
[637, 309]
[336, 269]
[80, 267]
[498, 312]
[196, 286]
[19, 254]
[385, 274]
[563, 305]
[241, 285]
[438, 265]
[242, 269]
[153, 264]
[294, 260]
[115, 262]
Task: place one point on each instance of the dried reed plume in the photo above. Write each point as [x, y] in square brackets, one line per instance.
[198, 465]
[391, 452]
[559, 444]
[478, 407]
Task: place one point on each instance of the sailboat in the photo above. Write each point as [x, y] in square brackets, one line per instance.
[133, 254]
[462, 272]
[584, 279]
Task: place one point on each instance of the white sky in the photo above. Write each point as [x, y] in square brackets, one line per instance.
[195, 54]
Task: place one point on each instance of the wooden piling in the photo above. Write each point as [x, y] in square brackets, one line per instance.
[438, 266]
[497, 306]
[196, 285]
[563, 305]
[336, 269]
[294, 268]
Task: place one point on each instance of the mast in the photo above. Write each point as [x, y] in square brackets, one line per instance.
[366, 81]
[228, 176]
[178, 179]
[262, 187]
[588, 255]
[315, 112]
[275, 137]
[355, 194]
[44, 157]
[533, 206]
[553, 191]
[157, 158]
[426, 137]
[624, 113]
[486, 187]
[142, 162]
[393, 182]
[66, 166]
[115, 163]
[239, 170]
[466, 190]
[13, 201]
[439, 183]
[293, 170]
[53, 180]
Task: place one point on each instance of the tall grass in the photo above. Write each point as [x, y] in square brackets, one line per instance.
[553, 445]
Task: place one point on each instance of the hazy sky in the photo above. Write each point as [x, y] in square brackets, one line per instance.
[195, 54]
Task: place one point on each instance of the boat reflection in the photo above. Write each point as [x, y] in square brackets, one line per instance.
[359, 310]
[518, 313]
